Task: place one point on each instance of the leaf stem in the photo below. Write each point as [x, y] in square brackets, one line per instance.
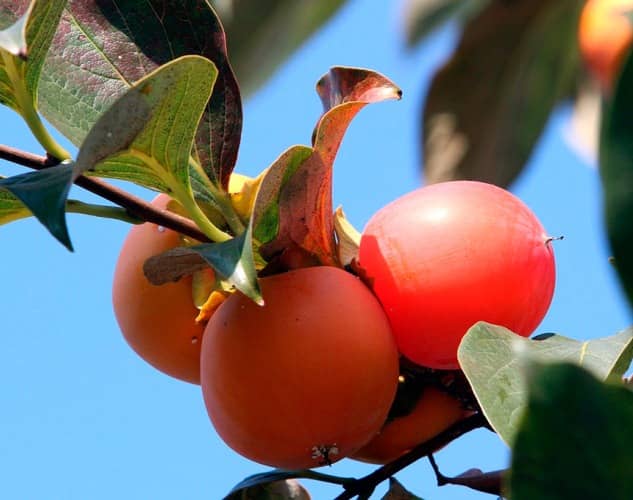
[221, 200]
[26, 107]
[199, 217]
[103, 211]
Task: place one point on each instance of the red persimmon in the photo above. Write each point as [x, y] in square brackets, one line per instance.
[445, 256]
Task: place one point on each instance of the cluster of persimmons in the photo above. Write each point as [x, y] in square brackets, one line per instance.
[311, 376]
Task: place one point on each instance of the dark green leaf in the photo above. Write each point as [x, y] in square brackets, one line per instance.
[104, 46]
[11, 208]
[282, 475]
[290, 489]
[616, 168]
[262, 34]
[423, 16]
[491, 357]
[44, 193]
[488, 105]
[232, 260]
[575, 440]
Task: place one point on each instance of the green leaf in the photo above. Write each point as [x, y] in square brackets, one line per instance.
[44, 193]
[293, 208]
[261, 35]
[282, 475]
[158, 157]
[232, 260]
[266, 208]
[11, 208]
[118, 128]
[575, 440]
[288, 489]
[104, 46]
[491, 357]
[517, 60]
[616, 168]
[423, 16]
[23, 49]
[162, 111]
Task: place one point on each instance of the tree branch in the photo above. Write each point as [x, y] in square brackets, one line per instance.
[365, 485]
[136, 207]
[486, 482]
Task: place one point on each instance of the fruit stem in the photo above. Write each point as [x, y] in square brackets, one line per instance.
[383, 473]
[549, 239]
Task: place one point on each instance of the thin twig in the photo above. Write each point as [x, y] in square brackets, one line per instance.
[486, 482]
[369, 482]
[136, 207]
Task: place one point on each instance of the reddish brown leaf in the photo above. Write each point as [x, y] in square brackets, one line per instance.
[293, 209]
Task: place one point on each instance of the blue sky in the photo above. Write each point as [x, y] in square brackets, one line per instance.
[82, 417]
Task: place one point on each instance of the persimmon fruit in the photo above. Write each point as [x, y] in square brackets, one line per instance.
[158, 322]
[433, 413]
[605, 35]
[304, 380]
[447, 255]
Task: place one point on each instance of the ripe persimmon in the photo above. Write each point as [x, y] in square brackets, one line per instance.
[605, 34]
[306, 379]
[158, 322]
[448, 255]
[433, 413]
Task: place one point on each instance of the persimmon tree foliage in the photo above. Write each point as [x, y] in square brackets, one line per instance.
[255, 287]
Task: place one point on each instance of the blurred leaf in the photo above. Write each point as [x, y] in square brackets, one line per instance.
[398, 492]
[232, 260]
[293, 207]
[489, 357]
[162, 111]
[289, 489]
[261, 35]
[575, 440]
[616, 168]
[423, 16]
[11, 208]
[282, 475]
[581, 132]
[488, 105]
[44, 193]
[95, 59]
[23, 48]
